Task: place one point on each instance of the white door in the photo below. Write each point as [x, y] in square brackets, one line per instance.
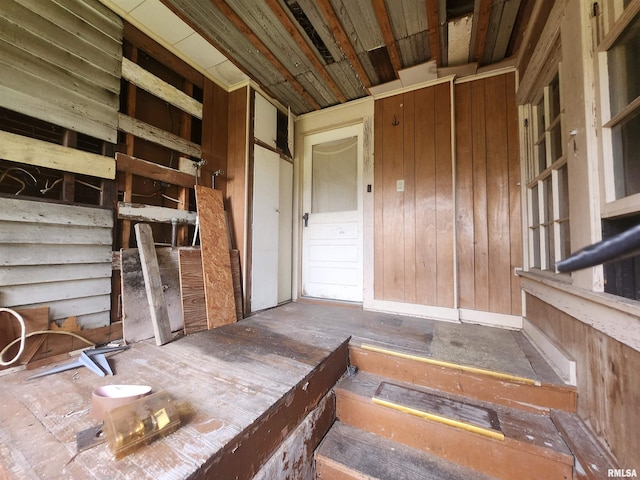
[332, 215]
[265, 229]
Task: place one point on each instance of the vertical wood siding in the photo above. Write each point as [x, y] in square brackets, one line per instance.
[414, 227]
[61, 62]
[57, 256]
[489, 239]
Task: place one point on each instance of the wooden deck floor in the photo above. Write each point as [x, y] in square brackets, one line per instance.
[246, 386]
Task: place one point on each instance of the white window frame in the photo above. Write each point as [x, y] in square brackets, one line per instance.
[539, 177]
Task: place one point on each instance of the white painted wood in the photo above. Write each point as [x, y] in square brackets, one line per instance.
[152, 213]
[156, 135]
[44, 154]
[500, 320]
[564, 366]
[444, 314]
[265, 229]
[161, 89]
[265, 121]
[332, 243]
[285, 231]
[57, 256]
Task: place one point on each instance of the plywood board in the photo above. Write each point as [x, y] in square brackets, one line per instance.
[194, 309]
[35, 319]
[216, 264]
[136, 318]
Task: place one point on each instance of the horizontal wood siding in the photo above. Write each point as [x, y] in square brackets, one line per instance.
[57, 256]
[414, 228]
[61, 62]
[607, 373]
[489, 239]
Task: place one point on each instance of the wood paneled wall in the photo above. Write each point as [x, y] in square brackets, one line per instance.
[607, 373]
[488, 220]
[414, 228]
[416, 231]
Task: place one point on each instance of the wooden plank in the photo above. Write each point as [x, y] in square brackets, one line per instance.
[45, 154]
[153, 284]
[35, 319]
[30, 211]
[409, 177]
[25, 274]
[426, 234]
[154, 171]
[481, 235]
[216, 265]
[444, 197]
[159, 88]
[393, 213]
[24, 233]
[439, 406]
[137, 320]
[194, 309]
[12, 255]
[498, 196]
[464, 196]
[154, 214]
[156, 135]
[55, 291]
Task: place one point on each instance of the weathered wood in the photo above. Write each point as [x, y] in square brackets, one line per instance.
[216, 263]
[523, 454]
[156, 135]
[45, 154]
[152, 213]
[29, 211]
[161, 89]
[194, 309]
[137, 319]
[61, 63]
[512, 394]
[153, 284]
[153, 171]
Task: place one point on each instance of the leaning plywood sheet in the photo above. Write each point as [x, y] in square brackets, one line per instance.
[35, 319]
[194, 309]
[135, 308]
[216, 264]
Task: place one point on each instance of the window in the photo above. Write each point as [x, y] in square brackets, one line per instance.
[620, 77]
[547, 182]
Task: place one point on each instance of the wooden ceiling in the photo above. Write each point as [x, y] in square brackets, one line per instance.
[312, 54]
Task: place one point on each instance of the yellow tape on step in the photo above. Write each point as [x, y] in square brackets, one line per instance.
[437, 418]
[465, 368]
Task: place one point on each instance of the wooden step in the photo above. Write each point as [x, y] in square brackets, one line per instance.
[496, 387]
[348, 452]
[528, 445]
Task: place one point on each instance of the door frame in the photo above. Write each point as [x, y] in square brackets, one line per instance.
[335, 133]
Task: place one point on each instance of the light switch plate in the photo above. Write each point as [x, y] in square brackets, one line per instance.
[400, 185]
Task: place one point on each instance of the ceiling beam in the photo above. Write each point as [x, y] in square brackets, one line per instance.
[482, 22]
[433, 29]
[263, 49]
[382, 15]
[286, 22]
[343, 40]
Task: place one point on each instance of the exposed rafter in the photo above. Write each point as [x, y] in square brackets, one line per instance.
[380, 9]
[434, 31]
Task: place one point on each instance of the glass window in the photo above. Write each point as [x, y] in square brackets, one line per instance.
[335, 176]
[549, 236]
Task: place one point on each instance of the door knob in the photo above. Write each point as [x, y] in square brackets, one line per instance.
[305, 217]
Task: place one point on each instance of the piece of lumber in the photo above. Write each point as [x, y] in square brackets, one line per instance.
[153, 213]
[194, 311]
[35, 319]
[216, 262]
[236, 274]
[137, 166]
[153, 284]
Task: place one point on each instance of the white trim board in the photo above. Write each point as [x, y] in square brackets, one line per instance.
[564, 366]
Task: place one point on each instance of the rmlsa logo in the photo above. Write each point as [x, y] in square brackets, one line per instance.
[622, 473]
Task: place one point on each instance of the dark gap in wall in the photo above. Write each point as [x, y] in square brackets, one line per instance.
[381, 62]
[309, 29]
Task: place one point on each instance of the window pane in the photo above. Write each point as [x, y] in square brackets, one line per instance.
[535, 214]
[556, 143]
[335, 176]
[554, 99]
[626, 161]
[623, 276]
[535, 240]
[548, 200]
[563, 192]
[541, 150]
[539, 113]
[624, 68]
[551, 257]
[565, 240]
